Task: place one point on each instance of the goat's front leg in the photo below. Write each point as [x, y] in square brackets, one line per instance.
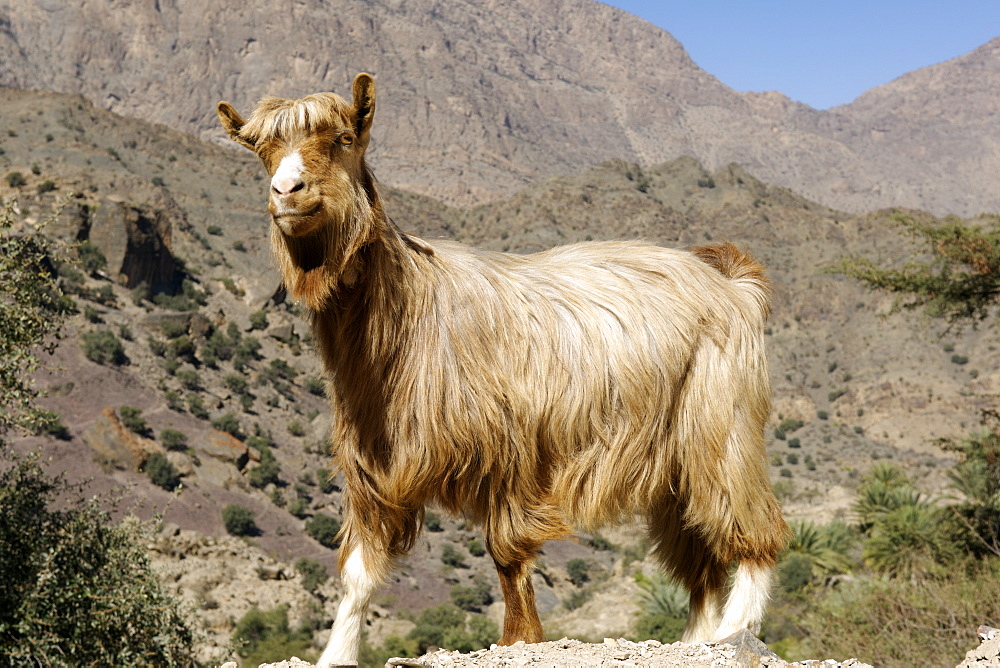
[362, 572]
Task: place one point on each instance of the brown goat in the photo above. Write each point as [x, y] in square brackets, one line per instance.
[577, 387]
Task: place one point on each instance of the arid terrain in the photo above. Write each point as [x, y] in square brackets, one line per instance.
[498, 127]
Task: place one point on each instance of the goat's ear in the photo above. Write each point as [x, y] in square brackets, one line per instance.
[364, 106]
[233, 123]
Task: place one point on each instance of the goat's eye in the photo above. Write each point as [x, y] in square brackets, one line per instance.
[345, 140]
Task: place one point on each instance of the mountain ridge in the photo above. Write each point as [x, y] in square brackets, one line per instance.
[477, 100]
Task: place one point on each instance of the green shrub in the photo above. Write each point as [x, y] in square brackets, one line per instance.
[283, 369]
[324, 529]
[132, 418]
[77, 588]
[189, 379]
[472, 598]
[578, 571]
[433, 623]
[325, 481]
[103, 347]
[16, 179]
[475, 547]
[236, 383]
[214, 230]
[228, 423]
[959, 359]
[295, 428]
[266, 636]
[46, 186]
[172, 439]
[432, 521]
[266, 472]
[239, 521]
[477, 633]
[452, 557]
[162, 472]
[313, 573]
[258, 320]
[173, 328]
[91, 257]
[315, 385]
[197, 407]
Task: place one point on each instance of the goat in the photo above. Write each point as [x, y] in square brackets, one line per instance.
[576, 387]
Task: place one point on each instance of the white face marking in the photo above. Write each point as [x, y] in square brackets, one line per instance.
[289, 173]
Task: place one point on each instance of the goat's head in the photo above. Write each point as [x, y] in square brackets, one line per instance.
[313, 149]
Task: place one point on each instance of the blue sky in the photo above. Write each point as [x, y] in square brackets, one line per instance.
[819, 52]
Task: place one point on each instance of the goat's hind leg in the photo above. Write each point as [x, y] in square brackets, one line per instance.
[683, 555]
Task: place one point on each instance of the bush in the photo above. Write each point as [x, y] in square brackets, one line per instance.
[315, 385]
[189, 379]
[228, 423]
[313, 573]
[46, 186]
[77, 588]
[239, 521]
[433, 623]
[258, 320]
[91, 257]
[452, 557]
[103, 347]
[266, 472]
[324, 529]
[325, 481]
[162, 472]
[172, 439]
[265, 636]
[432, 521]
[578, 571]
[475, 547]
[197, 407]
[132, 418]
[16, 179]
[236, 383]
[472, 598]
[295, 428]
[214, 230]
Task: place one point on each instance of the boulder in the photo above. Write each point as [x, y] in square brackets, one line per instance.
[136, 240]
[113, 442]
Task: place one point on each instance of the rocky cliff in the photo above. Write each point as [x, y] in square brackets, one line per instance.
[479, 99]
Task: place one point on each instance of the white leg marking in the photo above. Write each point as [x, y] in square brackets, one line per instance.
[346, 635]
[289, 173]
[703, 619]
[747, 600]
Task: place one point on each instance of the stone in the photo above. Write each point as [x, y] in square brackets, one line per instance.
[114, 443]
[136, 240]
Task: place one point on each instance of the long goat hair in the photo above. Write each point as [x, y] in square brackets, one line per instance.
[577, 387]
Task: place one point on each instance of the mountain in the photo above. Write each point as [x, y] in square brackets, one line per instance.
[478, 100]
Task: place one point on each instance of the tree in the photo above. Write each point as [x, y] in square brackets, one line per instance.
[78, 588]
[959, 281]
[32, 309]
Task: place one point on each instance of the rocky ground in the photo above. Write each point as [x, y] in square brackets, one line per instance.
[742, 651]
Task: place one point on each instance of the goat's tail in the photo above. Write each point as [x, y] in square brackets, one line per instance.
[739, 266]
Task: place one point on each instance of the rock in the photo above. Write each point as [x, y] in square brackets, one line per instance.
[136, 242]
[987, 655]
[749, 649]
[226, 448]
[113, 442]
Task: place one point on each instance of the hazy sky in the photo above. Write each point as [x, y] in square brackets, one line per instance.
[819, 52]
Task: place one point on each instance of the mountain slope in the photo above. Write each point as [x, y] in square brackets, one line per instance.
[479, 99]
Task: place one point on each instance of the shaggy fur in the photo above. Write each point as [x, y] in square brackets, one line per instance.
[577, 387]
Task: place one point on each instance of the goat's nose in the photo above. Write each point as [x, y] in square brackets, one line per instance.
[286, 185]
